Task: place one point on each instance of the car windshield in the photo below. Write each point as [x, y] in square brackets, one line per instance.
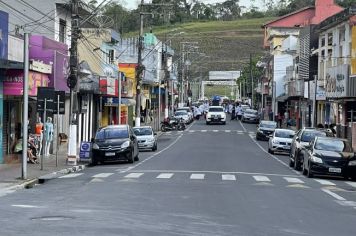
[142, 131]
[181, 113]
[112, 133]
[271, 125]
[216, 109]
[284, 133]
[308, 136]
[332, 145]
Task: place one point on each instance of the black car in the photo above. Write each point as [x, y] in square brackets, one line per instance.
[114, 143]
[328, 156]
[301, 139]
[265, 129]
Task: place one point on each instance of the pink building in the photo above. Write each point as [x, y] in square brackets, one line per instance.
[312, 15]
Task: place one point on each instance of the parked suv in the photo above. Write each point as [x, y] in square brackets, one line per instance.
[113, 143]
[302, 139]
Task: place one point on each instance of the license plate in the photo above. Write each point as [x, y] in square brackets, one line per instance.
[335, 170]
[286, 147]
[109, 154]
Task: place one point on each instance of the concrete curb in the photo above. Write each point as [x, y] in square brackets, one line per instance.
[42, 179]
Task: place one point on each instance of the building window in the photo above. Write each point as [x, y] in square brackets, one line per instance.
[111, 56]
[322, 41]
[62, 30]
[330, 39]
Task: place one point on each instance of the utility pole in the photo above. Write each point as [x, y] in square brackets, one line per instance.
[139, 69]
[166, 77]
[72, 80]
[314, 101]
[25, 108]
[251, 77]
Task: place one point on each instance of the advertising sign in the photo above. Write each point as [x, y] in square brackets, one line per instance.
[13, 82]
[1, 122]
[109, 86]
[4, 29]
[85, 149]
[336, 81]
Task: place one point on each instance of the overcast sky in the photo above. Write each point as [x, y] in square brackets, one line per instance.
[132, 4]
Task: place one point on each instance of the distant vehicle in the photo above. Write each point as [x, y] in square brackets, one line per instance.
[280, 141]
[146, 137]
[113, 143]
[301, 139]
[216, 114]
[189, 111]
[182, 114]
[244, 108]
[329, 156]
[265, 129]
[250, 116]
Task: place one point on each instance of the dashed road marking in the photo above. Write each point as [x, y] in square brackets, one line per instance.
[134, 175]
[325, 182]
[197, 176]
[294, 180]
[102, 175]
[260, 178]
[228, 177]
[165, 176]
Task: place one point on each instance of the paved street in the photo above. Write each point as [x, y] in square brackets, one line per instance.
[207, 180]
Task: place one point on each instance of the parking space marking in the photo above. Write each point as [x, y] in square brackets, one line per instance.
[102, 175]
[325, 182]
[165, 176]
[72, 175]
[228, 177]
[294, 180]
[197, 176]
[134, 175]
[260, 178]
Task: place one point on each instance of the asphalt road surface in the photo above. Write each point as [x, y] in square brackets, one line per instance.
[207, 180]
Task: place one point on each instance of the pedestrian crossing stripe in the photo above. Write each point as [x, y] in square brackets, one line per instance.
[353, 184]
[260, 178]
[71, 175]
[165, 176]
[297, 186]
[102, 175]
[197, 176]
[294, 180]
[228, 177]
[324, 182]
[134, 175]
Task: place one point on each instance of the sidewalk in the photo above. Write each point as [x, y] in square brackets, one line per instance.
[10, 174]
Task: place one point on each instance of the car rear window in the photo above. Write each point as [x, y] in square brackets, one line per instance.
[308, 136]
[216, 109]
[271, 125]
[333, 145]
[112, 133]
[181, 113]
[143, 131]
[284, 133]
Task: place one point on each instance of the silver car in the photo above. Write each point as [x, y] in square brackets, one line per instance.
[146, 137]
[280, 141]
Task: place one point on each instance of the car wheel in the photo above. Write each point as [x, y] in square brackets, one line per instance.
[304, 170]
[224, 123]
[310, 173]
[297, 161]
[130, 157]
[257, 138]
[291, 162]
[154, 147]
[93, 162]
[207, 123]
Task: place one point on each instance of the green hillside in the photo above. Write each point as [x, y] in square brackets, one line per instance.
[228, 44]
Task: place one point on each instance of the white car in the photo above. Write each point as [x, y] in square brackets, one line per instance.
[146, 137]
[189, 111]
[216, 114]
[182, 115]
[280, 141]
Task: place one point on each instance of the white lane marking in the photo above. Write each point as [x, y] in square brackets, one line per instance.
[227, 131]
[72, 175]
[165, 176]
[26, 206]
[180, 131]
[203, 131]
[169, 132]
[261, 178]
[293, 180]
[134, 175]
[150, 157]
[191, 131]
[243, 127]
[251, 132]
[102, 175]
[228, 177]
[324, 182]
[215, 131]
[96, 180]
[334, 195]
[214, 172]
[353, 184]
[197, 176]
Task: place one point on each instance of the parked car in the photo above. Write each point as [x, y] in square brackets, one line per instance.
[265, 129]
[113, 143]
[250, 116]
[216, 114]
[280, 141]
[244, 108]
[328, 156]
[189, 111]
[146, 137]
[182, 115]
[301, 139]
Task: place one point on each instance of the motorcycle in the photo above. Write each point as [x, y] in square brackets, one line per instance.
[172, 124]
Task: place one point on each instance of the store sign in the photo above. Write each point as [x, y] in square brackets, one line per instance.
[109, 86]
[85, 149]
[13, 82]
[336, 81]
